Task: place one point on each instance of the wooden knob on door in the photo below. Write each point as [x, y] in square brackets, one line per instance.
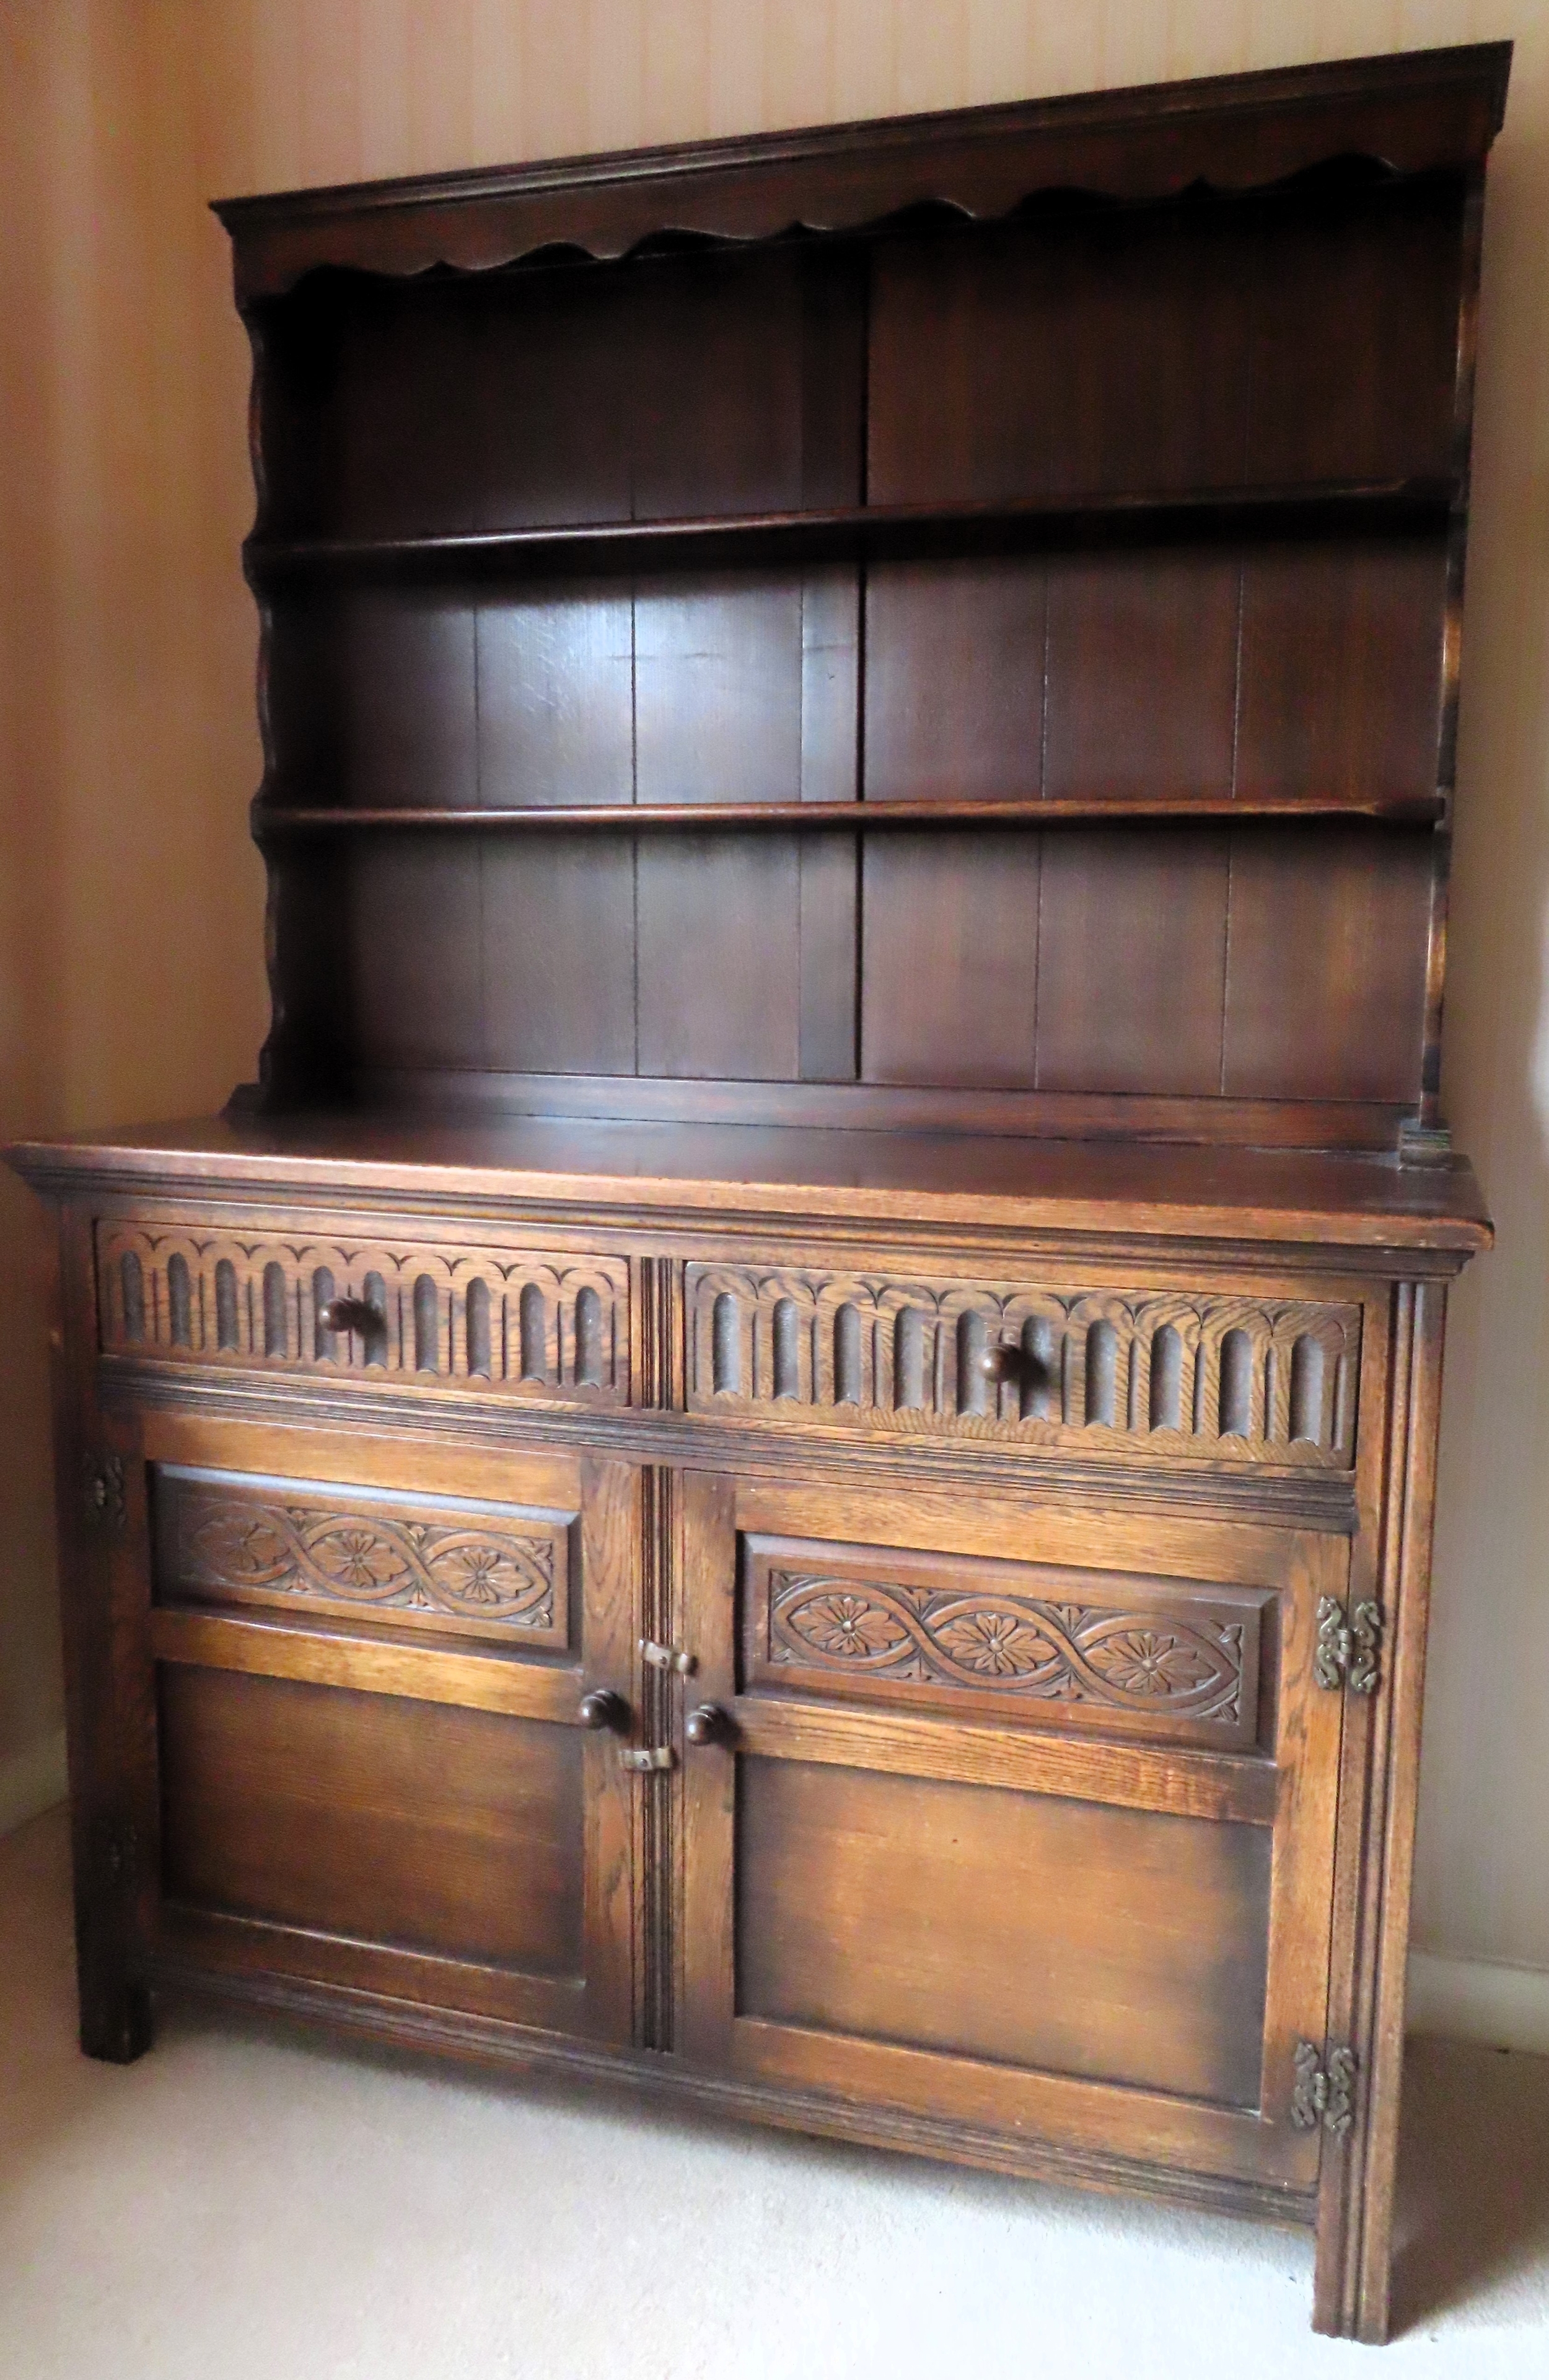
[999, 1362]
[604, 1710]
[707, 1724]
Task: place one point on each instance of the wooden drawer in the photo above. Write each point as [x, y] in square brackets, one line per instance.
[512, 1323]
[1151, 1372]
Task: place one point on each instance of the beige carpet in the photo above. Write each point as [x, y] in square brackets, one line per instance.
[247, 2201]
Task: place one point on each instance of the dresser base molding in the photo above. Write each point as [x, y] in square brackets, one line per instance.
[483, 2042]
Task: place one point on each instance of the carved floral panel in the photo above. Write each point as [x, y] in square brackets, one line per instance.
[1159, 1656]
[1163, 1372]
[438, 1562]
[513, 1322]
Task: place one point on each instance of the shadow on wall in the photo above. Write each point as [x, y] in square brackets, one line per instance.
[1473, 2178]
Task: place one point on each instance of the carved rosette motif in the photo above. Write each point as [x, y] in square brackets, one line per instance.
[1130, 1660]
[485, 1570]
[468, 1571]
[1164, 1371]
[520, 1322]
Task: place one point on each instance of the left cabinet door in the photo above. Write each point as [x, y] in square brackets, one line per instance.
[386, 1683]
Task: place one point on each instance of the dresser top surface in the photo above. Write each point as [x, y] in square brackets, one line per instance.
[1042, 1186]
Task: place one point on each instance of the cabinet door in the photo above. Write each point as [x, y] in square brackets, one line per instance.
[1014, 1819]
[368, 1759]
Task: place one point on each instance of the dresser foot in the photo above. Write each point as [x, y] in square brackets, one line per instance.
[116, 2025]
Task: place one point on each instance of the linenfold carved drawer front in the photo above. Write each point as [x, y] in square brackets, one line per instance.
[516, 1322]
[997, 1640]
[1164, 1372]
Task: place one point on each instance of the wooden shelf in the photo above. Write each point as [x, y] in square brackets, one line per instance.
[703, 818]
[869, 532]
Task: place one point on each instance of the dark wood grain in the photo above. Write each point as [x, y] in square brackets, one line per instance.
[789, 1449]
[1142, 681]
[913, 1180]
[1132, 961]
[274, 822]
[556, 697]
[715, 371]
[365, 1817]
[875, 1907]
[1087, 356]
[717, 714]
[872, 531]
[1355, 343]
[549, 394]
[1312, 917]
[725, 912]
[1341, 680]
[558, 944]
[1433, 108]
[954, 683]
[412, 935]
[949, 959]
[400, 706]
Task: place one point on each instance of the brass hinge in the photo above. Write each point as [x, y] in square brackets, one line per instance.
[660, 1756]
[1324, 2094]
[104, 1490]
[668, 1657]
[1348, 1648]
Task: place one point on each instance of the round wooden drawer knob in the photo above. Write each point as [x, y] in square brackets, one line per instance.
[998, 1363]
[342, 1314]
[707, 1724]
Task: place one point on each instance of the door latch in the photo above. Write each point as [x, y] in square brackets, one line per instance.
[1348, 1648]
[659, 1756]
[668, 1657]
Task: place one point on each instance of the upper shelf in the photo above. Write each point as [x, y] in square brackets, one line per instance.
[868, 532]
[271, 819]
[1429, 109]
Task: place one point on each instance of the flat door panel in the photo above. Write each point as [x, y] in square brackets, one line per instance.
[914, 1910]
[369, 1659]
[1018, 1817]
[452, 1833]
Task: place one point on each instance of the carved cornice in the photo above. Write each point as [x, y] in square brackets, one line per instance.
[1426, 110]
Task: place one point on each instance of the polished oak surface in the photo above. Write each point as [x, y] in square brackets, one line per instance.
[787, 1452]
[1055, 1186]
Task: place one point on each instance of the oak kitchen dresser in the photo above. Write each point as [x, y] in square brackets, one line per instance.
[787, 1452]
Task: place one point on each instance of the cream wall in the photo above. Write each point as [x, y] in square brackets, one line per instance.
[129, 977]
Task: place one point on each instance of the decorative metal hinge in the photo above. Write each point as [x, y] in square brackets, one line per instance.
[1324, 2094]
[104, 1490]
[660, 1756]
[1348, 1648]
[667, 1656]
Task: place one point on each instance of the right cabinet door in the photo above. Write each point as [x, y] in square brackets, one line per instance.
[1012, 1818]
